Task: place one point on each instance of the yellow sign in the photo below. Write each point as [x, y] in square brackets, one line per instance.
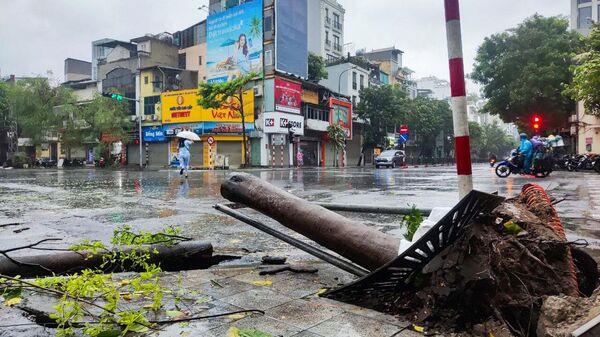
[182, 107]
[310, 96]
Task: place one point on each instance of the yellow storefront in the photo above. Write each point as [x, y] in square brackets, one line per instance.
[222, 126]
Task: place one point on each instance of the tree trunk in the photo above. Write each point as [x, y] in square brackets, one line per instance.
[364, 246]
[184, 255]
[244, 149]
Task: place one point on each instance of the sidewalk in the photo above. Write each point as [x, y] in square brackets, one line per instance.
[290, 302]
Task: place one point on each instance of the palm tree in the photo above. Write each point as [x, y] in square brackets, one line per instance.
[255, 27]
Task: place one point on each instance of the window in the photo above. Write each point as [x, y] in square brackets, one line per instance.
[157, 83]
[336, 43]
[362, 81]
[145, 79]
[327, 18]
[200, 60]
[354, 86]
[331, 58]
[182, 61]
[336, 21]
[584, 17]
[268, 58]
[354, 100]
[579, 2]
[149, 103]
[268, 23]
[327, 41]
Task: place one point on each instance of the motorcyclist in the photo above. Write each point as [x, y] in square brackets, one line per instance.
[526, 150]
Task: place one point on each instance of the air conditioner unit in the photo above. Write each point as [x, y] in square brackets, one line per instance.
[258, 90]
[154, 117]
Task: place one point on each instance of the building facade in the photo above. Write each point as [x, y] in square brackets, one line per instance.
[585, 127]
[326, 29]
[77, 70]
[433, 87]
[347, 79]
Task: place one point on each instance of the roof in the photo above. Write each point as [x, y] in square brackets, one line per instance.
[393, 48]
[163, 67]
[111, 43]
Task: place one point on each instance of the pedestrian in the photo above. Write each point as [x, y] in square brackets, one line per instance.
[299, 158]
[526, 149]
[184, 156]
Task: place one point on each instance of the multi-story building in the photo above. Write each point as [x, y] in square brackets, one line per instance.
[192, 49]
[389, 61]
[584, 126]
[433, 87]
[326, 29]
[77, 70]
[100, 50]
[348, 78]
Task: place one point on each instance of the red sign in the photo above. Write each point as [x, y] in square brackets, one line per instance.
[109, 138]
[288, 96]
[210, 140]
[403, 129]
[341, 113]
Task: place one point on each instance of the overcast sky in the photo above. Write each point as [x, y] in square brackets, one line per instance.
[37, 35]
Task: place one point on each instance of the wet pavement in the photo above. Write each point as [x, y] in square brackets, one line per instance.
[87, 203]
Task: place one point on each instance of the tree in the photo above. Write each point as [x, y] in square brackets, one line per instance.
[476, 137]
[382, 108]
[31, 104]
[215, 95]
[428, 119]
[496, 141]
[586, 80]
[524, 69]
[337, 136]
[316, 68]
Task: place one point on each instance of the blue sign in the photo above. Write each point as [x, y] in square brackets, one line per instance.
[291, 37]
[153, 134]
[226, 128]
[403, 138]
[234, 44]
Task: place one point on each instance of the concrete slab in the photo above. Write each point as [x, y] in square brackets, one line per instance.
[305, 313]
[262, 323]
[258, 298]
[350, 325]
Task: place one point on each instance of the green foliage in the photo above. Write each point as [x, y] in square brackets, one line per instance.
[429, 118]
[337, 136]
[316, 68]
[382, 108]
[19, 159]
[215, 95]
[30, 103]
[586, 80]
[412, 221]
[523, 70]
[92, 289]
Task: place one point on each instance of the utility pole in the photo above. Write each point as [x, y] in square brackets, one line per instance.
[139, 102]
[459, 100]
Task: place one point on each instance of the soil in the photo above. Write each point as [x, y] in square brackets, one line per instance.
[495, 280]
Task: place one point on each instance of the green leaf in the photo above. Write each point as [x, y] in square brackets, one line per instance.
[511, 227]
[253, 333]
[174, 313]
[10, 293]
[109, 333]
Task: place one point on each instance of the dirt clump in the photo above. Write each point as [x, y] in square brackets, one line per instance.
[497, 277]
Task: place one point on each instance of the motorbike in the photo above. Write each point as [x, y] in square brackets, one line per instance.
[512, 165]
[583, 162]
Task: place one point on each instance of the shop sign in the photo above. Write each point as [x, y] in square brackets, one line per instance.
[288, 96]
[276, 122]
[171, 130]
[589, 141]
[341, 114]
[182, 107]
[153, 134]
[310, 97]
[226, 128]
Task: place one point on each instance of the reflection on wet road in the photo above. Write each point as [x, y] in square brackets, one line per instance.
[76, 204]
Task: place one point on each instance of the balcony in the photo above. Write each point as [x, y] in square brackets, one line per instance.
[337, 25]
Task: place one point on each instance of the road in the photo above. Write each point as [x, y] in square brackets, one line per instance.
[88, 203]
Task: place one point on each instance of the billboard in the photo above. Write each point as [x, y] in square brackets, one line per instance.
[288, 95]
[182, 107]
[226, 128]
[291, 38]
[341, 113]
[234, 42]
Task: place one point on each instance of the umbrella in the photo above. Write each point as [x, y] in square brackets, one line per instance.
[188, 135]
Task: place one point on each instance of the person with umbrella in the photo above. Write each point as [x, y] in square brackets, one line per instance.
[187, 138]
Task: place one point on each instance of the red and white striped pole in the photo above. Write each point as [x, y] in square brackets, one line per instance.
[459, 100]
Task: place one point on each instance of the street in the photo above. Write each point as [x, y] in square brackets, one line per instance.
[89, 204]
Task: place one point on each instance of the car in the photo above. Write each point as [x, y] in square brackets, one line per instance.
[390, 158]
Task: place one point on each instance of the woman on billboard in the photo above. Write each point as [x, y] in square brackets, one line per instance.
[240, 56]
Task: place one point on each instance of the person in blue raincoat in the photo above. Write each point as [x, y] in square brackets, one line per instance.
[184, 156]
[526, 149]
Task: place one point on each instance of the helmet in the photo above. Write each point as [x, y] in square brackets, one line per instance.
[523, 135]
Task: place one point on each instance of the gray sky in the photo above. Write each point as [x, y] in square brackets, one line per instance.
[37, 35]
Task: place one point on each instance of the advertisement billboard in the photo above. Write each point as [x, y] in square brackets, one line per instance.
[153, 134]
[226, 128]
[234, 44]
[288, 96]
[291, 37]
[341, 113]
[182, 107]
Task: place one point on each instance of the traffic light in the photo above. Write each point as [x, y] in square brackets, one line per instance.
[536, 123]
[115, 96]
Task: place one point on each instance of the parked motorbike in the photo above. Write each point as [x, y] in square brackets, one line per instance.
[512, 165]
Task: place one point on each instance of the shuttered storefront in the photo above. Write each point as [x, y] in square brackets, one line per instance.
[233, 149]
